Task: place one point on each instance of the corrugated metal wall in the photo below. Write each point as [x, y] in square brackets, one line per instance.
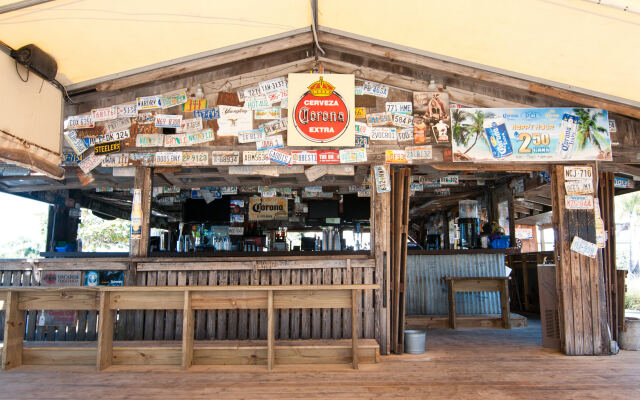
[427, 291]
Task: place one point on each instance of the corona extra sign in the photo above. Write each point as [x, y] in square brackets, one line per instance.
[322, 113]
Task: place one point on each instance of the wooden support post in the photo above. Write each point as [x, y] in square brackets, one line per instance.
[354, 327]
[270, 331]
[14, 324]
[105, 332]
[504, 304]
[142, 181]
[452, 304]
[187, 331]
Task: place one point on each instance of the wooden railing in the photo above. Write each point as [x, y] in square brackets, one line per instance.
[106, 300]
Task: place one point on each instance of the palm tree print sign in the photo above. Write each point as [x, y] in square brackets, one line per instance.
[530, 134]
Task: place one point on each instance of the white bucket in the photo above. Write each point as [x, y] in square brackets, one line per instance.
[630, 339]
[415, 341]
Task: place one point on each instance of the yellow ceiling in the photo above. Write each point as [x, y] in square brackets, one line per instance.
[575, 43]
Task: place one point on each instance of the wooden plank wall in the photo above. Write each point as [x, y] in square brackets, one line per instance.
[581, 294]
[608, 260]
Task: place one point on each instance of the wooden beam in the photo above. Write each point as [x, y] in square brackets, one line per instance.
[187, 331]
[142, 181]
[14, 320]
[270, 331]
[354, 327]
[619, 169]
[105, 333]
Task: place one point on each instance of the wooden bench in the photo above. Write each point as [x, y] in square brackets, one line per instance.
[187, 298]
[479, 284]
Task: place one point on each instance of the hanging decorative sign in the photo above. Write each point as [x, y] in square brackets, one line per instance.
[207, 114]
[190, 125]
[578, 202]
[203, 136]
[353, 155]
[271, 142]
[399, 107]
[322, 110]
[268, 208]
[251, 136]
[168, 121]
[115, 160]
[267, 113]
[149, 102]
[256, 103]
[450, 180]
[104, 114]
[256, 157]
[168, 158]
[127, 110]
[272, 127]
[177, 140]
[195, 104]
[280, 156]
[233, 120]
[622, 183]
[583, 247]
[90, 162]
[405, 135]
[383, 181]
[274, 89]
[328, 157]
[362, 141]
[418, 153]
[403, 120]
[360, 112]
[79, 122]
[612, 126]
[106, 148]
[380, 119]
[395, 157]
[248, 93]
[174, 99]
[431, 110]
[77, 145]
[196, 158]
[362, 129]
[532, 134]
[375, 89]
[579, 187]
[112, 136]
[225, 157]
[304, 157]
[379, 133]
[149, 140]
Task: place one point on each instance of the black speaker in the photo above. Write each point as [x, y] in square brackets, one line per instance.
[33, 57]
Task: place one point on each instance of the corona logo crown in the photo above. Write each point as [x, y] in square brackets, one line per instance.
[321, 88]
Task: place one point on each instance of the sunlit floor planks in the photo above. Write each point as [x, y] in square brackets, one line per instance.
[465, 364]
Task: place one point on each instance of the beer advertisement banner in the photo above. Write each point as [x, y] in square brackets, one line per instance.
[530, 134]
[268, 208]
[321, 110]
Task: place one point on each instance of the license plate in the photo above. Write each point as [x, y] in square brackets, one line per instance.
[328, 157]
[207, 114]
[168, 158]
[116, 160]
[113, 136]
[104, 114]
[274, 126]
[79, 122]
[272, 142]
[148, 102]
[375, 89]
[380, 119]
[362, 129]
[403, 120]
[255, 157]
[248, 93]
[149, 140]
[177, 140]
[362, 141]
[251, 136]
[190, 125]
[195, 104]
[305, 157]
[168, 121]
[378, 133]
[353, 155]
[127, 110]
[399, 107]
[405, 135]
[255, 103]
[267, 113]
[174, 100]
[195, 158]
[395, 157]
[419, 153]
[225, 158]
[203, 136]
[117, 124]
[78, 145]
[274, 89]
[280, 157]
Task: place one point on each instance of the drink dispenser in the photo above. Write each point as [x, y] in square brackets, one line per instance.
[469, 224]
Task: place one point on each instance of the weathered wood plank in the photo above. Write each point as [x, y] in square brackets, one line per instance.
[223, 280]
[158, 329]
[13, 332]
[229, 300]
[170, 315]
[326, 312]
[243, 314]
[105, 333]
[254, 314]
[146, 301]
[336, 320]
[305, 314]
[201, 315]
[294, 314]
[59, 300]
[212, 315]
[188, 325]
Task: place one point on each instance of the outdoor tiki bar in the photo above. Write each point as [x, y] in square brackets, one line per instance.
[295, 206]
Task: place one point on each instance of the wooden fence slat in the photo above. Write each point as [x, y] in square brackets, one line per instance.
[316, 321]
[158, 330]
[31, 314]
[275, 280]
[254, 315]
[212, 315]
[182, 281]
[294, 312]
[139, 314]
[285, 314]
[232, 315]
[336, 319]
[201, 315]
[264, 280]
[326, 312]
[368, 305]
[347, 278]
[170, 315]
[243, 315]
[357, 279]
[223, 280]
[149, 315]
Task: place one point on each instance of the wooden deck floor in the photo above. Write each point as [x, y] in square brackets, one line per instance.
[478, 364]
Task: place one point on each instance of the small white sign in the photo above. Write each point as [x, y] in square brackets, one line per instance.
[403, 120]
[236, 230]
[148, 102]
[276, 126]
[225, 157]
[190, 125]
[353, 155]
[577, 173]
[405, 135]
[579, 187]
[233, 120]
[79, 122]
[578, 202]
[375, 89]
[583, 247]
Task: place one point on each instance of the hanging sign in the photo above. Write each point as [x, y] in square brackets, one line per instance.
[79, 122]
[268, 208]
[328, 157]
[353, 155]
[104, 114]
[418, 153]
[578, 202]
[203, 136]
[276, 126]
[168, 121]
[622, 183]
[280, 156]
[322, 110]
[233, 120]
[304, 157]
[168, 158]
[583, 247]
[251, 136]
[225, 157]
[149, 102]
[70, 159]
[271, 142]
[107, 148]
[524, 233]
[77, 145]
[149, 140]
[207, 114]
[383, 181]
[380, 119]
[190, 125]
[395, 157]
[379, 133]
[174, 99]
[146, 118]
[375, 89]
[531, 134]
[127, 110]
[136, 214]
[256, 158]
[401, 107]
[196, 158]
